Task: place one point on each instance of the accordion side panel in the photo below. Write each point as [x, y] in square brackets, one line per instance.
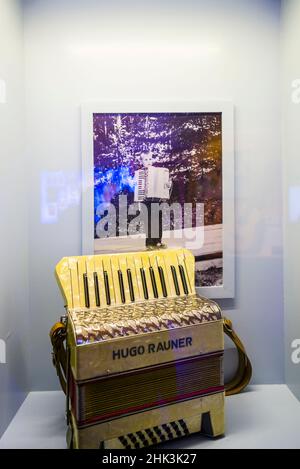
[91, 437]
[155, 435]
[98, 359]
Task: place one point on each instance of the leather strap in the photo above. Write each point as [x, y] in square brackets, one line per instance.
[244, 371]
[58, 336]
[235, 386]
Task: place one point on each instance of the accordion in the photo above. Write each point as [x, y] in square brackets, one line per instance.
[151, 183]
[144, 354]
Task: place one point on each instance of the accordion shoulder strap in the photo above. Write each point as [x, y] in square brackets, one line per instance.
[236, 385]
[58, 336]
[244, 371]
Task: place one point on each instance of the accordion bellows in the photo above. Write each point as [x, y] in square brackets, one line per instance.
[145, 351]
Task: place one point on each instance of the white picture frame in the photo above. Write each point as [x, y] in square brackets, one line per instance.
[227, 289]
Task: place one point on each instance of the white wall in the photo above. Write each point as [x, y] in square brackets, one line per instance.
[14, 217]
[291, 164]
[90, 50]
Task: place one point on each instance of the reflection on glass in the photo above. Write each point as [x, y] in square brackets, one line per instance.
[59, 191]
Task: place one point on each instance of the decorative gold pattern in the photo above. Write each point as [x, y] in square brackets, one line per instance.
[96, 325]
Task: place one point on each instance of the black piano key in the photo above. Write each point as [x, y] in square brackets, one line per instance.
[121, 284]
[96, 283]
[153, 281]
[144, 283]
[175, 280]
[162, 281]
[183, 280]
[131, 291]
[106, 285]
[86, 290]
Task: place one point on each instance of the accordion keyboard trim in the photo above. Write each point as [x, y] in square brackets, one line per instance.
[98, 325]
[107, 398]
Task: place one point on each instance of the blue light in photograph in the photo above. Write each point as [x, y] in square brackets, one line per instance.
[109, 184]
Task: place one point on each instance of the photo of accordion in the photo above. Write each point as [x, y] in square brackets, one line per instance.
[144, 353]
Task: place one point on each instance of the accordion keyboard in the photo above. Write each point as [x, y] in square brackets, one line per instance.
[111, 280]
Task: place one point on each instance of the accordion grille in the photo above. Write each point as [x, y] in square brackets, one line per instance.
[130, 392]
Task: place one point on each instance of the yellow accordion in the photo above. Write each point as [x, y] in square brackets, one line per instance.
[144, 355]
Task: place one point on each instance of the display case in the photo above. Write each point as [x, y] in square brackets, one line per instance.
[238, 156]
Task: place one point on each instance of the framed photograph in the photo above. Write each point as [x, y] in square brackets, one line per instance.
[179, 155]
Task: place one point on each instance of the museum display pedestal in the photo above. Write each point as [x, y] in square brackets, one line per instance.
[265, 416]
